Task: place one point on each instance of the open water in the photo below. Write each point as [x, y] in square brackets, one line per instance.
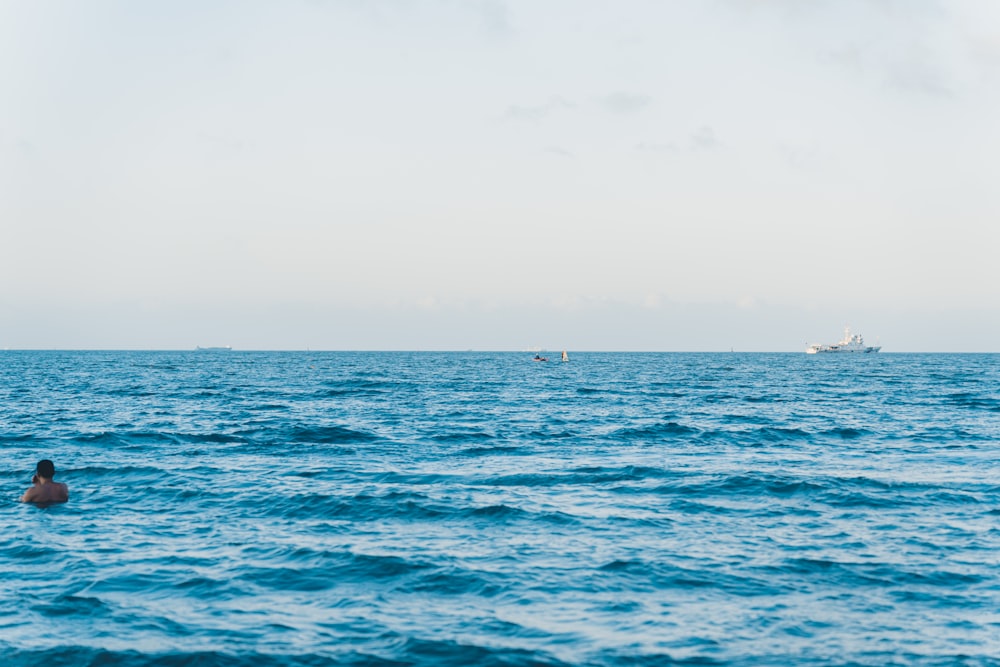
[481, 509]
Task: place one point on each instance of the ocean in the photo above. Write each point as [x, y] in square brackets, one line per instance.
[475, 508]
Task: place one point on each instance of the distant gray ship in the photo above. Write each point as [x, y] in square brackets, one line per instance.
[224, 348]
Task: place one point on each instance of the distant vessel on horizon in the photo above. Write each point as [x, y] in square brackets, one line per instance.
[223, 348]
[850, 343]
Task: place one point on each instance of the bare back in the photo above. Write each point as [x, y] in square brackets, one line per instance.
[46, 491]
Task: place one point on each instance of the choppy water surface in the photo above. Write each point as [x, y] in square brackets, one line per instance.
[482, 509]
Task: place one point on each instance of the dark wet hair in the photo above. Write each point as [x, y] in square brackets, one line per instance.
[46, 468]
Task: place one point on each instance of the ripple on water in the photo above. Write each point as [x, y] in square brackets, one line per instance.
[476, 508]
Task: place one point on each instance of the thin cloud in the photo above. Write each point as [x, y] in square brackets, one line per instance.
[916, 75]
[802, 158]
[622, 102]
[704, 138]
[21, 148]
[985, 49]
[657, 147]
[617, 103]
[912, 70]
[560, 152]
[221, 145]
[495, 17]
[537, 112]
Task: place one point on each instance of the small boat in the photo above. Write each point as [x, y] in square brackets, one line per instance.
[850, 343]
[565, 357]
[539, 357]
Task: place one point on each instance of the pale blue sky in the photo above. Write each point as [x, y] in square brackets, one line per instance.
[490, 174]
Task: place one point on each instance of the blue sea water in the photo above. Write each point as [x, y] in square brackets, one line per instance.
[259, 508]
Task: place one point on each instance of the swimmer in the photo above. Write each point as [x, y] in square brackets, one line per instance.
[44, 489]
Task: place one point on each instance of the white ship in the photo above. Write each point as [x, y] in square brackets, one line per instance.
[850, 343]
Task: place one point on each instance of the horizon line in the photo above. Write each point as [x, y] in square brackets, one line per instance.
[223, 351]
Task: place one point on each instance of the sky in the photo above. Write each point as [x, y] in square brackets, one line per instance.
[686, 175]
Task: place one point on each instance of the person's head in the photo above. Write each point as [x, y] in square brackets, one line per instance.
[46, 469]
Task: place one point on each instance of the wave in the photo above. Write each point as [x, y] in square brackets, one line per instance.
[493, 450]
[154, 438]
[330, 435]
[847, 433]
[134, 474]
[73, 605]
[463, 436]
[452, 580]
[843, 492]
[662, 430]
[590, 391]
[85, 655]
[900, 578]
[20, 438]
[770, 434]
[499, 512]
[589, 475]
[289, 579]
[765, 485]
[746, 419]
[364, 506]
[774, 434]
[974, 401]
[949, 435]
[359, 388]
[404, 506]
[644, 575]
[766, 433]
[764, 398]
[550, 433]
[310, 570]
